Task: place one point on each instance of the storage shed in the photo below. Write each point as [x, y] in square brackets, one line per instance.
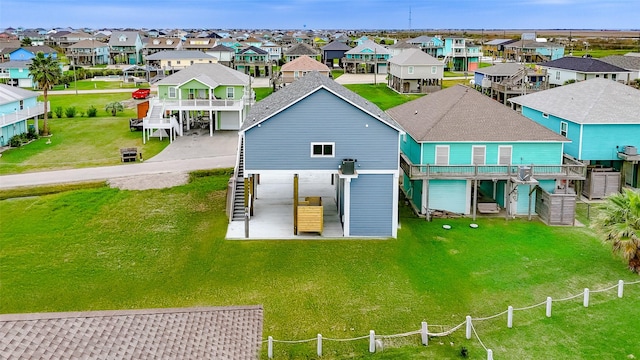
[556, 208]
[601, 182]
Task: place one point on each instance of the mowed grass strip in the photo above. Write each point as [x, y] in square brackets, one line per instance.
[95, 249]
[80, 141]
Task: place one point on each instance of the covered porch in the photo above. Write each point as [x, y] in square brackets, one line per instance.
[273, 207]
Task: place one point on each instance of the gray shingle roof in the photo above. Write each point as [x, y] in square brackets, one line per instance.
[129, 36]
[625, 62]
[463, 114]
[9, 94]
[587, 65]
[336, 46]
[301, 88]
[301, 49]
[374, 47]
[190, 333]
[505, 69]
[595, 101]
[179, 55]
[415, 57]
[210, 74]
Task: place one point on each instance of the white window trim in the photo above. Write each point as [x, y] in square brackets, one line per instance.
[175, 92]
[566, 126]
[233, 93]
[410, 70]
[484, 154]
[323, 144]
[545, 115]
[434, 69]
[435, 155]
[500, 149]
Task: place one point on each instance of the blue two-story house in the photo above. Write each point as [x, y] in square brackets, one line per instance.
[316, 129]
[16, 73]
[465, 153]
[601, 118]
[16, 107]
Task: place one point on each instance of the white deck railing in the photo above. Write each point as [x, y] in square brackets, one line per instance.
[24, 114]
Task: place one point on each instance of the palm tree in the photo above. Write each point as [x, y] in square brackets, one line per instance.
[114, 107]
[619, 223]
[46, 72]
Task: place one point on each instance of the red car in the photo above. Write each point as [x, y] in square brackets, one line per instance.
[141, 94]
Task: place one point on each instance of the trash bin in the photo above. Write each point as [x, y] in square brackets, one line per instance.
[348, 166]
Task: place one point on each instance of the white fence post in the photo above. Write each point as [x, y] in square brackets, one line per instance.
[372, 341]
[549, 306]
[319, 345]
[270, 347]
[620, 288]
[585, 302]
[489, 354]
[425, 334]
[510, 317]
[468, 332]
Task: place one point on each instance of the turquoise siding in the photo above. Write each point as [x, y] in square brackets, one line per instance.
[372, 205]
[599, 142]
[521, 153]
[284, 141]
[410, 148]
[12, 107]
[450, 195]
[8, 131]
[19, 73]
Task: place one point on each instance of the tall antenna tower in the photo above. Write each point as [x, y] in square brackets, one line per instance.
[409, 18]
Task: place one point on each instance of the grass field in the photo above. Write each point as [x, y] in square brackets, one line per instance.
[380, 95]
[82, 250]
[80, 141]
[99, 85]
[598, 53]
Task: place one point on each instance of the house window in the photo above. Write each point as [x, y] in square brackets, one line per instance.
[545, 115]
[442, 155]
[178, 62]
[230, 93]
[478, 155]
[21, 104]
[434, 69]
[613, 77]
[172, 92]
[322, 149]
[557, 75]
[504, 155]
[192, 93]
[564, 127]
[410, 70]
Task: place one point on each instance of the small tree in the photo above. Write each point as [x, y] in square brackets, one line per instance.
[114, 107]
[26, 42]
[619, 223]
[45, 72]
[92, 111]
[70, 111]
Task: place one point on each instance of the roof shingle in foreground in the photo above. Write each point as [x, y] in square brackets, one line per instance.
[189, 333]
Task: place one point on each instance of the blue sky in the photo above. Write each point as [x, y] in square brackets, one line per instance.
[324, 14]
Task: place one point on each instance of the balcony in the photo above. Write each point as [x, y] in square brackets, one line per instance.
[24, 114]
[571, 170]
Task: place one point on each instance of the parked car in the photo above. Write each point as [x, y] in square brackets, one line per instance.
[141, 94]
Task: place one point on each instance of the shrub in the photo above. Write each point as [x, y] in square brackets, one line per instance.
[92, 111]
[70, 111]
[15, 141]
[58, 111]
[32, 133]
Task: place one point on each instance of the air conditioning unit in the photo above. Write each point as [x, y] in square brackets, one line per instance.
[524, 173]
[630, 150]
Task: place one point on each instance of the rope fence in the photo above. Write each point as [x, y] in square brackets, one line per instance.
[375, 341]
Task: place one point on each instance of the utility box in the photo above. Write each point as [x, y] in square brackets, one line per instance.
[348, 166]
[524, 173]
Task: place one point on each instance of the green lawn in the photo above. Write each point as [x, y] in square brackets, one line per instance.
[380, 95]
[80, 141]
[83, 250]
[99, 85]
[598, 53]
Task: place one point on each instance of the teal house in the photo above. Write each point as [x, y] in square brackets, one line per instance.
[16, 107]
[601, 117]
[203, 96]
[461, 54]
[16, 73]
[465, 153]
